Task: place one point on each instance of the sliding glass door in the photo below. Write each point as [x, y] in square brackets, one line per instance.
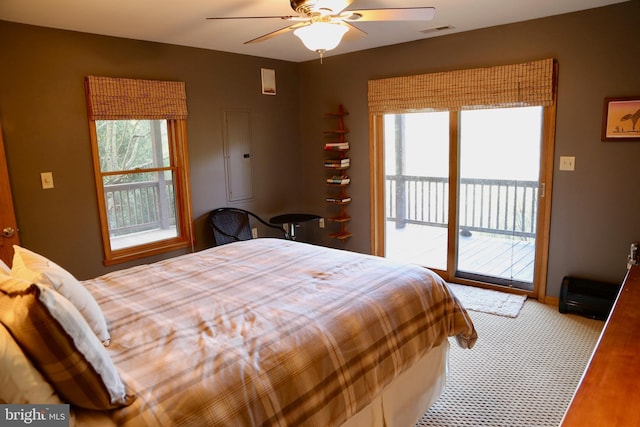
[483, 226]
[498, 184]
[417, 187]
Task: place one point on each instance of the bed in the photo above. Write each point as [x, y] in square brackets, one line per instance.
[276, 332]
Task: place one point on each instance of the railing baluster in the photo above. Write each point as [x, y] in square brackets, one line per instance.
[134, 207]
[488, 205]
[522, 205]
[506, 208]
[499, 203]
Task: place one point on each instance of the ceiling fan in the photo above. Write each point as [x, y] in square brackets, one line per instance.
[320, 24]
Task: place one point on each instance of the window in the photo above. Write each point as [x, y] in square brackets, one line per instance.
[138, 137]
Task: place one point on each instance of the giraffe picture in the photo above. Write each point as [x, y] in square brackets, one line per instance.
[621, 119]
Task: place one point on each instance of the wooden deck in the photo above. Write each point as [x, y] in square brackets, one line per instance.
[511, 259]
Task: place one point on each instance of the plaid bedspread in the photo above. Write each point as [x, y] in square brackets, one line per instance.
[269, 332]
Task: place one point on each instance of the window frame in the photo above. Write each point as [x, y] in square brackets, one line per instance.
[177, 135]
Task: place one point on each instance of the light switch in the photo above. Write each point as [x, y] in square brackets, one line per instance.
[47, 180]
[567, 163]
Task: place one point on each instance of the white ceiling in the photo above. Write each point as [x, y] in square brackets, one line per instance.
[182, 22]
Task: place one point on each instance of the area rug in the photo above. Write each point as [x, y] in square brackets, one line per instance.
[488, 301]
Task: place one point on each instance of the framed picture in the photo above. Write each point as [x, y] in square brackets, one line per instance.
[268, 81]
[621, 119]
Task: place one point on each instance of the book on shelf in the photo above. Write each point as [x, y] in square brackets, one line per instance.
[342, 179]
[338, 199]
[336, 146]
[334, 163]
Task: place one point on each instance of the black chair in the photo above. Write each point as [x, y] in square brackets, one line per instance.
[234, 224]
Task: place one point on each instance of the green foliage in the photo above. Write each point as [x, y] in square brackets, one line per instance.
[130, 147]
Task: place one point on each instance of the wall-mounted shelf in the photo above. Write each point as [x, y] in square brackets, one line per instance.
[336, 164]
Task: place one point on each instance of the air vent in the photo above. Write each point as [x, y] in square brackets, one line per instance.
[437, 29]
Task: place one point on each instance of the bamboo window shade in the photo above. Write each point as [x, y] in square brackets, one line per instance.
[518, 85]
[111, 98]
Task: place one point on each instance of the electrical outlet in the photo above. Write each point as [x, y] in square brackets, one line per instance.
[567, 163]
[254, 232]
[321, 222]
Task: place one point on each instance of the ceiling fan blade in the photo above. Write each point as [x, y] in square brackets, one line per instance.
[273, 34]
[354, 32]
[390, 14]
[253, 17]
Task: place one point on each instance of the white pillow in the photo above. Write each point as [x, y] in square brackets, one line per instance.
[35, 268]
[4, 268]
[20, 381]
[56, 338]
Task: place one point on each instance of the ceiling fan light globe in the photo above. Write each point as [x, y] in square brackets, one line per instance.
[321, 36]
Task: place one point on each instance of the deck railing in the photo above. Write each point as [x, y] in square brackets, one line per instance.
[507, 207]
[503, 207]
[139, 206]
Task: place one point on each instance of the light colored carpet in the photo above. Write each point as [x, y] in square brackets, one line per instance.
[522, 371]
[487, 300]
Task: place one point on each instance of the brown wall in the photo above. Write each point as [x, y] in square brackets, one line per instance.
[595, 209]
[43, 115]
